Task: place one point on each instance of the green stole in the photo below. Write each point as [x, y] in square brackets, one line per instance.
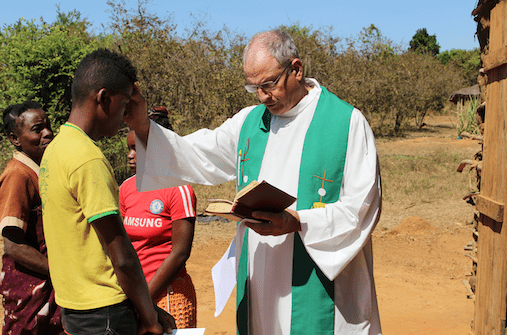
[320, 179]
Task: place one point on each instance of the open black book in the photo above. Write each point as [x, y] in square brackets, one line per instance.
[254, 197]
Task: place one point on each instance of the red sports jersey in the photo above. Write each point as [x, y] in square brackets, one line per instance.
[148, 218]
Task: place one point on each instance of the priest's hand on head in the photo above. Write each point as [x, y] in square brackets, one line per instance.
[277, 223]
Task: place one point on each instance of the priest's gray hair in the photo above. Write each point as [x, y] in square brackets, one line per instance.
[278, 43]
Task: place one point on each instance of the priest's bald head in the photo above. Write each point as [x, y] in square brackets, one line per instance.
[274, 71]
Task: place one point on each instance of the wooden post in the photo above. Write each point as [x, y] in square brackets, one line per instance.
[491, 290]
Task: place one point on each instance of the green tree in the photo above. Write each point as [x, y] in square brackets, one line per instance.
[38, 61]
[469, 61]
[424, 43]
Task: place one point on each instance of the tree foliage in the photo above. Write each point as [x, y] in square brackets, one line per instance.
[199, 77]
[469, 61]
[424, 43]
[391, 86]
[38, 61]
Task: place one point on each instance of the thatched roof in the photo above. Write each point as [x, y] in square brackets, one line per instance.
[465, 93]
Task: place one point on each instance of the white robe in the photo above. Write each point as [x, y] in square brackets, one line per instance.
[337, 237]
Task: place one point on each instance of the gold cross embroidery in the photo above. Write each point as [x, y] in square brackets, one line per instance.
[323, 181]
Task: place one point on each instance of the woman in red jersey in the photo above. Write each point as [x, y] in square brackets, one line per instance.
[160, 224]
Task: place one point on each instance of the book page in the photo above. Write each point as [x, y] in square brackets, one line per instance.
[219, 207]
[223, 209]
[246, 189]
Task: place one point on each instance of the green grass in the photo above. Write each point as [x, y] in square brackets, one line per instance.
[467, 117]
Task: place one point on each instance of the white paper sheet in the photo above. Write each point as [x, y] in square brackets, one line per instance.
[224, 278]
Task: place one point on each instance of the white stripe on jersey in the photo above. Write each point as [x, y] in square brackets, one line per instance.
[189, 197]
[187, 201]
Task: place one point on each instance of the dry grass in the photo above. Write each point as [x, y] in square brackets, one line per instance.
[427, 178]
[419, 175]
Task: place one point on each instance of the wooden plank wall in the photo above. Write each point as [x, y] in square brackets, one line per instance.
[491, 290]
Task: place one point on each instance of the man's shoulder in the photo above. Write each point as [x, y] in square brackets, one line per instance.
[335, 99]
[243, 113]
[72, 145]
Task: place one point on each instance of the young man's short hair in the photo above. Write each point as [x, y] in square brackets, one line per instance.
[102, 68]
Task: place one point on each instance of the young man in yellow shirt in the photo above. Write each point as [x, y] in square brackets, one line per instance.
[95, 271]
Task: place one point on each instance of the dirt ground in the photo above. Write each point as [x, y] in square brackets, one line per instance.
[419, 257]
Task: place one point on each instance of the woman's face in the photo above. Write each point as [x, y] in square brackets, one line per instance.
[33, 134]
[131, 156]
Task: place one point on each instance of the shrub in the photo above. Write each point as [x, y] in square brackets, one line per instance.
[467, 121]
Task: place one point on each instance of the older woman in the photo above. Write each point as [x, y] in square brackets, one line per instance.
[28, 296]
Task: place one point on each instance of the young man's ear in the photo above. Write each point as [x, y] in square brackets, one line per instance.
[103, 98]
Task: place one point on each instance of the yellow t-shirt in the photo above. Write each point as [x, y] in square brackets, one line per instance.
[77, 186]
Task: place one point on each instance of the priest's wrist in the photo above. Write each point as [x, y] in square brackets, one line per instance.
[295, 218]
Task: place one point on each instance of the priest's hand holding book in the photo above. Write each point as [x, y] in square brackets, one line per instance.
[274, 224]
[262, 207]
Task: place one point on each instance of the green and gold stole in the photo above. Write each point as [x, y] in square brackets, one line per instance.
[320, 179]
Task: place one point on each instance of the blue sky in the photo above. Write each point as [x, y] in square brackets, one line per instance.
[449, 20]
